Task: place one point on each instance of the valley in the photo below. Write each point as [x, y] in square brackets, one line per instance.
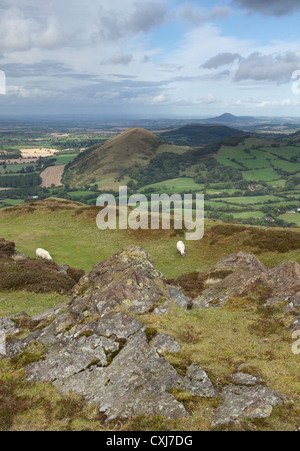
[247, 176]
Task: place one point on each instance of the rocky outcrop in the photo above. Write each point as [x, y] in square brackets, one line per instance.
[248, 278]
[97, 346]
[246, 397]
[244, 402]
[128, 279]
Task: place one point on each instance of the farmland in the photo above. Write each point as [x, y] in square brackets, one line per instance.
[253, 180]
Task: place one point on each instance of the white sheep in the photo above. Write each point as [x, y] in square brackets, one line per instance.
[41, 253]
[181, 248]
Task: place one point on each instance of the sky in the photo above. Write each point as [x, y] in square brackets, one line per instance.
[156, 58]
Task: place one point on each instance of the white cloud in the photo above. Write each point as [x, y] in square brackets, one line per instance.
[160, 99]
[120, 58]
[199, 16]
[115, 24]
[222, 59]
[275, 67]
[17, 91]
[20, 33]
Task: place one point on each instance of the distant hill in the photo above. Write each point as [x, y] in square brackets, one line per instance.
[198, 134]
[108, 162]
[226, 117]
[231, 120]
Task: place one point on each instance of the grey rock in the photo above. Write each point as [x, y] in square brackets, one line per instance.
[15, 345]
[241, 261]
[163, 308]
[118, 324]
[241, 402]
[165, 342]
[247, 274]
[136, 382]
[295, 325]
[234, 285]
[7, 327]
[128, 278]
[63, 269]
[241, 378]
[198, 383]
[50, 313]
[179, 298]
[96, 346]
[69, 360]
[18, 256]
[3, 350]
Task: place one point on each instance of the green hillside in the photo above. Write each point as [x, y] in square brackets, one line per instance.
[109, 163]
[220, 340]
[197, 135]
[69, 232]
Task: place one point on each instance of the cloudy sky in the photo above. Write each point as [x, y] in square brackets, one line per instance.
[162, 58]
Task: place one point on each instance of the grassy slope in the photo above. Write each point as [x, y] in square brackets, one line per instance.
[132, 149]
[218, 340]
[195, 134]
[72, 237]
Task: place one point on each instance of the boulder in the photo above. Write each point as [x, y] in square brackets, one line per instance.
[128, 278]
[240, 402]
[249, 278]
[198, 383]
[136, 382]
[7, 327]
[165, 343]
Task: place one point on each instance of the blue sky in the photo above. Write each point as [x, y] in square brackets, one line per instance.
[143, 58]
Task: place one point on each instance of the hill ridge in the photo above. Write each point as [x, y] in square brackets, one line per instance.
[111, 160]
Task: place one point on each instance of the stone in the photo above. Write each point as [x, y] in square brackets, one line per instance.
[241, 378]
[179, 298]
[128, 278]
[136, 382]
[241, 261]
[115, 323]
[163, 308]
[18, 256]
[2, 344]
[279, 286]
[165, 342]
[7, 328]
[198, 383]
[242, 402]
[63, 362]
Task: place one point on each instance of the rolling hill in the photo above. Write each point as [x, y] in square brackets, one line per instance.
[199, 135]
[231, 120]
[108, 163]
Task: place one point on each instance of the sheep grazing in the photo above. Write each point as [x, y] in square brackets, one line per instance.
[181, 248]
[41, 253]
